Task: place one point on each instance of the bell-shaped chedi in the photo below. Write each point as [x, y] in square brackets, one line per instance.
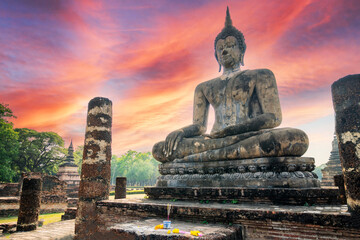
[68, 172]
[333, 166]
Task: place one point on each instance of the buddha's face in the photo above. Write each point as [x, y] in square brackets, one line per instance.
[228, 52]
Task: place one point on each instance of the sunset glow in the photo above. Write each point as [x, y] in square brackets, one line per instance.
[148, 56]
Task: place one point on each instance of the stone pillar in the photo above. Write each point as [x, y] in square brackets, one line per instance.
[346, 99]
[120, 188]
[339, 182]
[30, 200]
[95, 171]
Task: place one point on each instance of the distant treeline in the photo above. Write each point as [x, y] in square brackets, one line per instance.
[27, 150]
[140, 169]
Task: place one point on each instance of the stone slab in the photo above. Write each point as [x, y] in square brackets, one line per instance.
[287, 196]
[54, 231]
[144, 229]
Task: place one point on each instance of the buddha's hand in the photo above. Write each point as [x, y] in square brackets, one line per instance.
[172, 141]
[229, 131]
[218, 134]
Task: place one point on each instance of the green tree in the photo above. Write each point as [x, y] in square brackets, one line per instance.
[5, 112]
[8, 144]
[39, 151]
[78, 156]
[139, 168]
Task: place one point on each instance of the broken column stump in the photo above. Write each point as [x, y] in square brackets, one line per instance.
[339, 182]
[120, 188]
[30, 200]
[95, 172]
[346, 99]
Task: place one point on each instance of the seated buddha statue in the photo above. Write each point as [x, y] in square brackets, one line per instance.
[247, 112]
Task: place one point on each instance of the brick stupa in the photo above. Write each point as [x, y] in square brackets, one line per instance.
[333, 166]
[68, 172]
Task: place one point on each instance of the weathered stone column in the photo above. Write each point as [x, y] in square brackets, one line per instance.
[339, 182]
[346, 99]
[95, 172]
[30, 200]
[120, 188]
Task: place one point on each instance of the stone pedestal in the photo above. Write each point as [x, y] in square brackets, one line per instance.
[274, 172]
[120, 188]
[95, 172]
[346, 99]
[280, 196]
[30, 200]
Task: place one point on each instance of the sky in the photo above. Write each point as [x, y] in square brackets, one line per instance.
[147, 57]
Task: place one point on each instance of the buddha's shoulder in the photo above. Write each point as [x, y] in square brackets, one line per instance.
[265, 73]
[253, 74]
[261, 76]
[209, 83]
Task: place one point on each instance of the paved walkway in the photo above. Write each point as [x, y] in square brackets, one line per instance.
[63, 230]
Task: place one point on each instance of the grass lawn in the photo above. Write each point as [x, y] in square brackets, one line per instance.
[48, 218]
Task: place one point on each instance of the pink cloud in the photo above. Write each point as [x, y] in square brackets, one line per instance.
[151, 66]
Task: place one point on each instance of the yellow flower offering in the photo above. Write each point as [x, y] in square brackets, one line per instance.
[160, 226]
[195, 233]
[176, 230]
[169, 231]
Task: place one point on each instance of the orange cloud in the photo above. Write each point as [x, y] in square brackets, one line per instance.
[149, 57]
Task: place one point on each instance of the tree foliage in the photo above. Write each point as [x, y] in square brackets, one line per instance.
[39, 151]
[78, 155]
[8, 144]
[26, 150]
[140, 169]
[5, 112]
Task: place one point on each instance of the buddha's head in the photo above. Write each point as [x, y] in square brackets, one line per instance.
[229, 45]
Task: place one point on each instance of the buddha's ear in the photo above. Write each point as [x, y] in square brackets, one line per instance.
[242, 59]
[218, 61]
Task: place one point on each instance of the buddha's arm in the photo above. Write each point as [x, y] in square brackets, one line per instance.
[268, 97]
[263, 121]
[201, 109]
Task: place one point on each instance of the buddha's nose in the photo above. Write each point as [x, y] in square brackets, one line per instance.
[224, 52]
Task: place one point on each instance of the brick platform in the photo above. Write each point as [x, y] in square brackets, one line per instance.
[257, 221]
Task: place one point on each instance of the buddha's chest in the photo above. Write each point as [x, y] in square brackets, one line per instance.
[231, 92]
[235, 100]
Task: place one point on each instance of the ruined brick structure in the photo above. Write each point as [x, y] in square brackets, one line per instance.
[53, 195]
